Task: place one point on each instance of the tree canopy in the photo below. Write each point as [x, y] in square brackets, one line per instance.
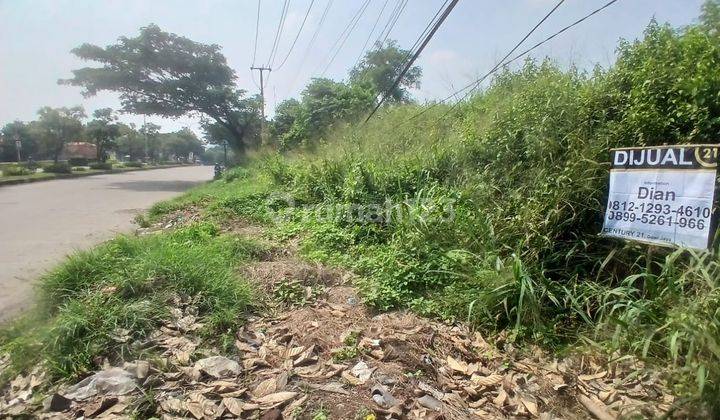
[103, 130]
[165, 74]
[57, 126]
[380, 67]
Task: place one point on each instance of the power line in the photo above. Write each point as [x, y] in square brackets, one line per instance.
[390, 19]
[477, 82]
[499, 63]
[415, 56]
[372, 31]
[312, 41]
[427, 28]
[346, 34]
[257, 28]
[391, 24]
[278, 33]
[302, 25]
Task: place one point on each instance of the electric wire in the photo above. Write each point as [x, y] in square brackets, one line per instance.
[346, 34]
[477, 82]
[311, 43]
[278, 33]
[372, 31]
[302, 25]
[415, 56]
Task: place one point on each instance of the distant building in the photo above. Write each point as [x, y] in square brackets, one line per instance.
[79, 149]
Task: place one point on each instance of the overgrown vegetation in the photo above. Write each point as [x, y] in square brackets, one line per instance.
[486, 213]
[496, 205]
[99, 303]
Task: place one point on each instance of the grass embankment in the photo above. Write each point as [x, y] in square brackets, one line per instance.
[495, 207]
[99, 303]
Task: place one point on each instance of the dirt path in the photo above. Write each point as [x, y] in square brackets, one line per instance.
[42, 222]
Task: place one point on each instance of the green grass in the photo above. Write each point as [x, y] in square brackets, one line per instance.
[128, 283]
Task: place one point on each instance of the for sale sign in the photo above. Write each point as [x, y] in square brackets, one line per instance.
[663, 195]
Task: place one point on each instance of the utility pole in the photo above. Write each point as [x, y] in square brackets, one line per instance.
[263, 137]
[18, 145]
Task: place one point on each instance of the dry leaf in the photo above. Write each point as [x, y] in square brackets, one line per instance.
[596, 407]
[530, 404]
[172, 405]
[292, 352]
[598, 375]
[233, 405]
[276, 398]
[499, 401]
[485, 381]
[457, 365]
[265, 387]
[351, 379]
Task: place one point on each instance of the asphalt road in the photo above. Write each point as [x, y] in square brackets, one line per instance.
[42, 222]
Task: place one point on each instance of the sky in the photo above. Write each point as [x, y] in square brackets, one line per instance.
[36, 37]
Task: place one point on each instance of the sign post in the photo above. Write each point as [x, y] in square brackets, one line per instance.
[663, 195]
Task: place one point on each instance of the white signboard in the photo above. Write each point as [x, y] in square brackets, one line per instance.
[663, 195]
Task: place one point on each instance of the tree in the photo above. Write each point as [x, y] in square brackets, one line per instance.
[285, 115]
[57, 126]
[248, 115]
[21, 131]
[130, 142]
[103, 130]
[380, 67]
[151, 136]
[325, 102]
[165, 74]
[180, 144]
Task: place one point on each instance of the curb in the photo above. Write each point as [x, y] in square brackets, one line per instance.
[9, 182]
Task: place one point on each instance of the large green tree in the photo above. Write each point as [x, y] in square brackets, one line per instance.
[21, 131]
[248, 115]
[325, 102]
[180, 144]
[165, 74]
[103, 130]
[130, 143]
[57, 126]
[381, 66]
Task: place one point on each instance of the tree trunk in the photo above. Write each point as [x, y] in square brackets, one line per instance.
[238, 145]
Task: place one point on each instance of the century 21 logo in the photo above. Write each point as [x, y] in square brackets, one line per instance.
[707, 156]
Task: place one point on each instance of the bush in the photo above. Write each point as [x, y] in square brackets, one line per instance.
[78, 161]
[79, 169]
[58, 168]
[16, 170]
[133, 164]
[105, 166]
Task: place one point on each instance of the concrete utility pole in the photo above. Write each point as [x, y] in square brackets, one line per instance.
[263, 138]
[18, 146]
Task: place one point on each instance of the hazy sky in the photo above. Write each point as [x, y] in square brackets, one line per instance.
[36, 37]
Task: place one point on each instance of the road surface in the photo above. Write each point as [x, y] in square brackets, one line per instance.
[42, 222]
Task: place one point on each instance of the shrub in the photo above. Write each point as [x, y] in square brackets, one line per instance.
[78, 161]
[15, 170]
[133, 164]
[105, 166]
[79, 169]
[58, 168]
